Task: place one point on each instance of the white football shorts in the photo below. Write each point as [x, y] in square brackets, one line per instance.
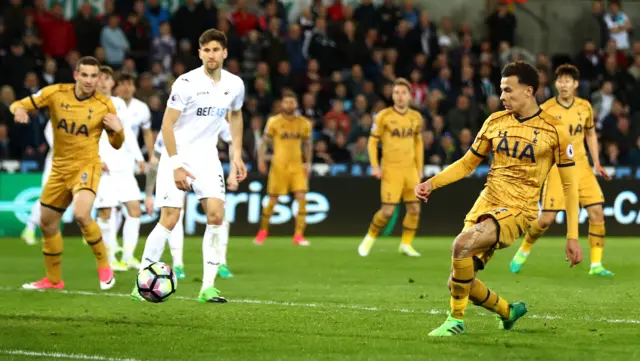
[117, 188]
[208, 182]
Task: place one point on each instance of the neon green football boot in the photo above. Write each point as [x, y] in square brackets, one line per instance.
[450, 327]
[223, 271]
[179, 271]
[518, 261]
[598, 270]
[516, 310]
[135, 295]
[211, 295]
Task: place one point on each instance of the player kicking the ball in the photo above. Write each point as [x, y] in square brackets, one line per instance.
[399, 129]
[79, 115]
[176, 240]
[289, 134]
[577, 117]
[200, 102]
[526, 143]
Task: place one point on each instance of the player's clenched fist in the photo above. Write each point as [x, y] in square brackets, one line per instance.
[21, 116]
[112, 122]
[423, 190]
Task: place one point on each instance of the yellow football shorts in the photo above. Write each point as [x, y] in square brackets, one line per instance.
[552, 194]
[61, 186]
[398, 184]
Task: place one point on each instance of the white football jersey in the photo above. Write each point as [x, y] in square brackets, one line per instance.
[225, 135]
[204, 106]
[125, 158]
[139, 116]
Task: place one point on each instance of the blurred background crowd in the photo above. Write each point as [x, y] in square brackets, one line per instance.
[341, 61]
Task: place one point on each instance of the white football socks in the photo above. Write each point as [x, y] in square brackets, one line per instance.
[34, 218]
[130, 234]
[105, 228]
[224, 242]
[210, 256]
[154, 246]
[176, 241]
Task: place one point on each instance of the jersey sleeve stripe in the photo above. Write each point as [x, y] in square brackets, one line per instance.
[477, 154]
[566, 165]
[33, 102]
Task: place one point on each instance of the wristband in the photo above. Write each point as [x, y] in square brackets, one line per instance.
[175, 162]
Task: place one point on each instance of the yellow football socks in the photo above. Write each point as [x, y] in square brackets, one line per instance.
[596, 240]
[301, 217]
[462, 276]
[93, 235]
[534, 232]
[482, 296]
[409, 227]
[52, 251]
[267, 212]
[378, 222]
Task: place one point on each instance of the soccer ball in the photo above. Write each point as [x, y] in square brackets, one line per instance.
[156, 282]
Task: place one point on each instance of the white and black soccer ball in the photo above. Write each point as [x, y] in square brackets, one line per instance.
[156, 282]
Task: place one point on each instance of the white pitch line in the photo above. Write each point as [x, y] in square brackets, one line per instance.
[63, 355]
[316, 305]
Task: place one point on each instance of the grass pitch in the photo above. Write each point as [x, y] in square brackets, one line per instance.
[322, 303]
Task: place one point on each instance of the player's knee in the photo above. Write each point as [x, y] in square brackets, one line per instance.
[413, 209]
[387, 211]
[169, 217]
[134, 212]
[104, 213]
[215, 218]
[82, 218]
[546, 219]
[595, 214]
[460, 245]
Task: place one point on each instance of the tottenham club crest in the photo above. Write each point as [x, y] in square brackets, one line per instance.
[83, 178]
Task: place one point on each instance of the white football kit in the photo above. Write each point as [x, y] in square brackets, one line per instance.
[203, 108]
[118, 185]
[139, 116]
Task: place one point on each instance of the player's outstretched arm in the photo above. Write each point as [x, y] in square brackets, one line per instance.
[235, 123]
[372, 145]
[566, 166]
[419, 150]
[307, 146]
[41, 99]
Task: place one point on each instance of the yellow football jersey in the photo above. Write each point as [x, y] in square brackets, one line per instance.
[524, 150]
[77, 124]
[576, 119]
[401, 139]
[287, 135]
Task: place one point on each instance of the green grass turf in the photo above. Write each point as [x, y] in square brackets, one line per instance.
[325, 303]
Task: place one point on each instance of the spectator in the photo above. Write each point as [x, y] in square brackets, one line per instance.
[339, 151]
[243, 20]
[294, 46]
[156, 14]
[366, 15]
[5, 147]
[618, 25]
[138, 30]
[14, 19]
[87, 29]
[58, 35]
[319, 45]
[337, 113]
[320, 154]
[16, 65]
[114, 42]
[187, 23]
[164, 47]
[501, 25]
[275, 49]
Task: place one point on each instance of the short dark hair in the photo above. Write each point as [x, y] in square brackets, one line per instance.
[124, 77]
[525, 72]
[87, 60]
[213, 35]
[402, 82]
[569, 70]
[106, 69]
[289, 94]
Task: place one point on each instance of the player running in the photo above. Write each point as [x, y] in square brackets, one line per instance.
[575, 114]
[29, 233]
[118, 185]
[176, 240]
[399, 129]
[289, 134]
[526, 142]
[200, 102]
[79, 114]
